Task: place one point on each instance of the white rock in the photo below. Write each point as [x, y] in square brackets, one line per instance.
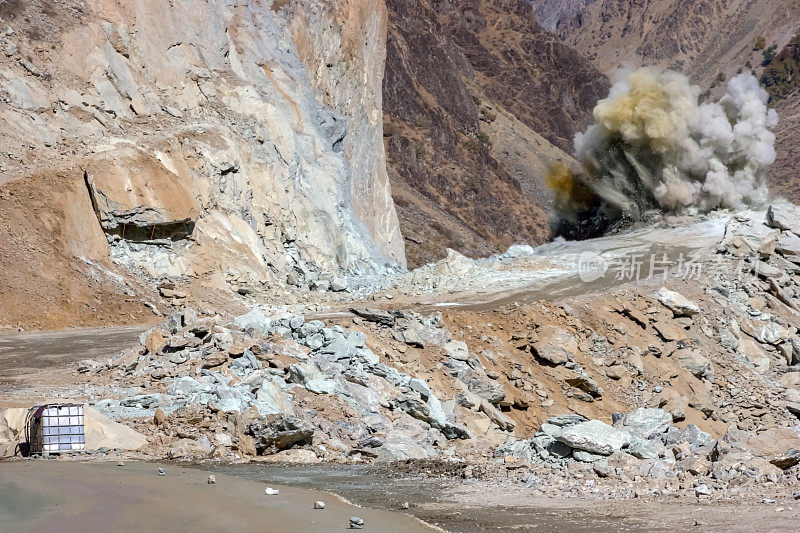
[319, 505]
[784, 217]
[676, 302]
[594, 436]
[269, 491]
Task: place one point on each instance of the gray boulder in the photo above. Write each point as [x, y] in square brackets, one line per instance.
[595, 437]
[694, 361]
[488, 389]
[409, 336]
[642, 449]
[254, 320]
[280, 433]
[784, 217]
[676, 302]
[788, 244]
[457, 350]
[586, 457]
[245, 365]
[566, 420]
[521, 449]
[691, 434]
[379, 316]
[646, 422]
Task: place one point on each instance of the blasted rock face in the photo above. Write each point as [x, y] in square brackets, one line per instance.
[136, 198]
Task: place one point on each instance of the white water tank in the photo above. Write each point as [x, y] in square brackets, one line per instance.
[55, 428]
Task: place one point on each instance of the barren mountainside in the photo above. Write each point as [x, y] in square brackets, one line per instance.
[479, 100]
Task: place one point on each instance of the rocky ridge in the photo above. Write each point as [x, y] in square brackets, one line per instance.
[479, 102]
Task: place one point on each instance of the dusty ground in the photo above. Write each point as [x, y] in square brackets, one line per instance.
[37, 366]
[72, 496]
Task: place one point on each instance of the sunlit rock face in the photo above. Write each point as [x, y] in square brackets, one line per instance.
[217, 135]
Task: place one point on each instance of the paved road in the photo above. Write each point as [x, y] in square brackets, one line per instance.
[28, 351]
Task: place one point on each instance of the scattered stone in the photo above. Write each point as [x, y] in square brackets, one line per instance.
[669, 330]
[404, 505]
[555, 345]
[269, 491]
[601, 469]
[86, 365]
[787, 460]
[702, 490]
[784, 217]
[121, 463]
[356, 522]
[595, 437]
[161, 471]
[212, 480]
[378, 316]
[676, 302]
[694, 361]
[319, 505]
[280, 433]
[339, 284]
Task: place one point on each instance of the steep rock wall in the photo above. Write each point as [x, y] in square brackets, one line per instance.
[211, 137]
[343, 45]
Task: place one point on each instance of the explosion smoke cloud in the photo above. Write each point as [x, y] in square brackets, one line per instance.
[654, 146]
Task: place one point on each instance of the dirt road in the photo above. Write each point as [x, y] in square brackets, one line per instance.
[66, 496]
[28, 351]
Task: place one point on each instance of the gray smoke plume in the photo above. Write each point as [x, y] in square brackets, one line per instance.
[654, 146]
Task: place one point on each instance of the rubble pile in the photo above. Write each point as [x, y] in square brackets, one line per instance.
[651, 456]
[706, 369]
[259, 386]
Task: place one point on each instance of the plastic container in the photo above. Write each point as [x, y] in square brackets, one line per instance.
[55, 428]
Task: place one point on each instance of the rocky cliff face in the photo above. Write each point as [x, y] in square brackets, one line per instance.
[553, 14]
[204, 136]
[478, 99]
[343, 45]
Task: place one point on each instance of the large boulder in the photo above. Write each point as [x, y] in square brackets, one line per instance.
[676, 302]
[555, 345]
[488, 389]
[691, 435]
[254, 320]
[595, 437]
[773, 442]
[693, 361]
[788, 244]
[281, 432]
[379, 316]
[784, 217]
[646, 422]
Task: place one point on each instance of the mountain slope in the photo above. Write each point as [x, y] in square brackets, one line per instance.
[451, 72]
